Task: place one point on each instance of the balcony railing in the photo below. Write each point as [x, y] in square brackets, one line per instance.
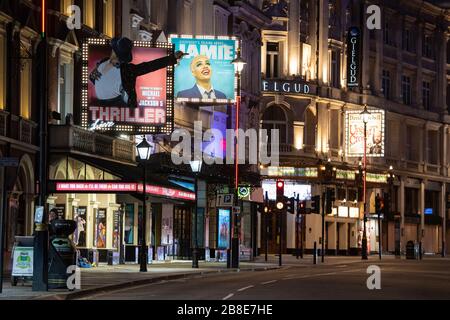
[17, 128]
[73, 138]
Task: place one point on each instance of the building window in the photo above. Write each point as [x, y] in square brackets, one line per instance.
[273, 60]
[2, 72]
[432, 147]
[432, 201]
[406, 40]
[427, 50]
[411, 201]
[335, 69]
[426, 95]
[89, 13]
[109, 16]
[25, 89]
[275, 118]
[220, 22]
[386, 84]
[386, 33]
[412, 143]
[406, 90]
[65, 91]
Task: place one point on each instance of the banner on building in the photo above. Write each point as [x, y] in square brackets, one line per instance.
[206, 74]
[354, 134]
[353, 57]
[105, 102]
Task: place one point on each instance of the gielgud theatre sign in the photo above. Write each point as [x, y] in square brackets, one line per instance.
[277, 86]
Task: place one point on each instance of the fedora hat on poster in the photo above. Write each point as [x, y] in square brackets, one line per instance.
[123, 48]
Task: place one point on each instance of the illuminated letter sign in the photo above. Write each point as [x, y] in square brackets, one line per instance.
[353, 57]
[291, 87]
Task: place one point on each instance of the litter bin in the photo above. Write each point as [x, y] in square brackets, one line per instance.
[62, 253]
[411, 251]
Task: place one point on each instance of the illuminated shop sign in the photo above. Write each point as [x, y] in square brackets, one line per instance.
[375, 134]
[345, 175]
[284, 87]
[107, 106]
[353, 57]
[291, 189]
[290, 172]
[377, 178]
[206, 74]
[94, 187]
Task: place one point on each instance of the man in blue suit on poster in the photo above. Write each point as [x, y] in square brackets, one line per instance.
[203, 88]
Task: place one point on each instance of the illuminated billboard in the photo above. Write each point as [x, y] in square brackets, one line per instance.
[223, 226]
[354, 134]
[109, 102]
[206, 74]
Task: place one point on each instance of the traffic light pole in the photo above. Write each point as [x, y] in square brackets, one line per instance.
[280, 262]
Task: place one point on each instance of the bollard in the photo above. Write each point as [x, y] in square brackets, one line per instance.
[315, 253]
[420, 250]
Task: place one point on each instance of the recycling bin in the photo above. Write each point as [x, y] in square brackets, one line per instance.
[62, 253]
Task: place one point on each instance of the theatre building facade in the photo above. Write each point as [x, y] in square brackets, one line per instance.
[306, 95]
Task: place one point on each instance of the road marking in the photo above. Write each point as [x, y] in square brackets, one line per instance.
[344, 266]
[268, 282]
[246, 288]
[228, 296]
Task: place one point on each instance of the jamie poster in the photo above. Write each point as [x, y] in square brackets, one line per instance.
[106, 107]
[375, 134]
[206, 74]
[223, 225]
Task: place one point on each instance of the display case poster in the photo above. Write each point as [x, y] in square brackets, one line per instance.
[223, 229]
[116, 229]
[129, 224]
[79, 237]
[100, 229]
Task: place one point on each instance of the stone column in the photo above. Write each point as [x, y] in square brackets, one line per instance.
[443, 212]
[442, 38]
[323, 43]
[419, 76]
[294, 39]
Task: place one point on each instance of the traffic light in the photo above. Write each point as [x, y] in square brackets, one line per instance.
[315, 204]
[302, 207]
[290, 205]
[331, 197]
[280, 194]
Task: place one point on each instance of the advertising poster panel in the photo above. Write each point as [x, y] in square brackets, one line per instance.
[223, 225]
[100, 229]
[107, 106]
[354, 137]
[206, 74]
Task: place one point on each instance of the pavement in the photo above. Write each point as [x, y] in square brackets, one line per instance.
[106, 278]
[215, 281]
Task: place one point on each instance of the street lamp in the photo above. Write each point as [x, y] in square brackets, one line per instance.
[196, 167]
[144, 149]
[239, 64]
[365, 115]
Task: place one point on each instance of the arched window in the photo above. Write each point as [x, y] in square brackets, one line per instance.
[275, 118]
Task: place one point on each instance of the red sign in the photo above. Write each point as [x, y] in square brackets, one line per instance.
[122, 187]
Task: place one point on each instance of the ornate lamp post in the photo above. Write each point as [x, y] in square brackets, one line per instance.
[196, 167]
[239, 64]
[144, 150]
[365, 114]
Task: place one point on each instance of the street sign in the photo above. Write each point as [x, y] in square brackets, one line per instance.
[224, 200]
[9, 162]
